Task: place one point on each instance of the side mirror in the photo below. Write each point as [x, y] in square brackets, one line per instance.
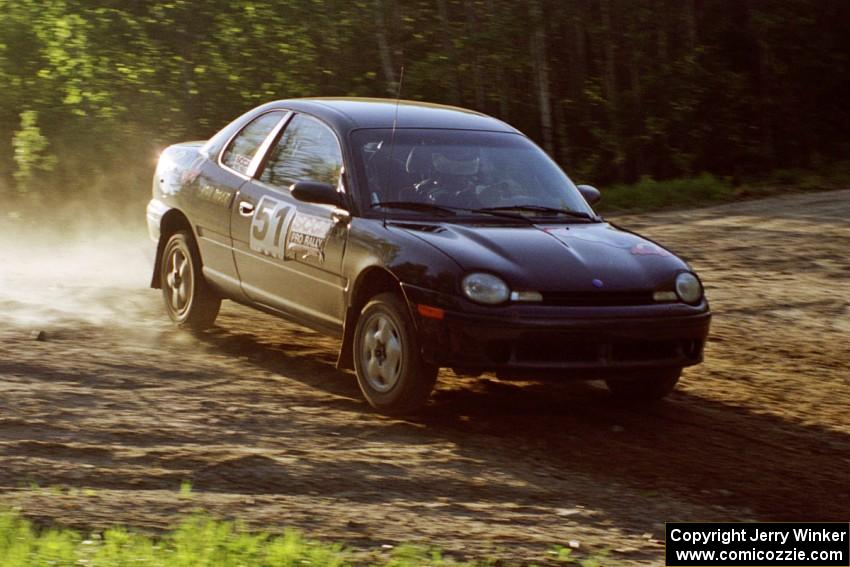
[591, 194]
[315, 192]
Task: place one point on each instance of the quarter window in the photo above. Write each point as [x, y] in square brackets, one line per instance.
[245, 144]
[307, 151]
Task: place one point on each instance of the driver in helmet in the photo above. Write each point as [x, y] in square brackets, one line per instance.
[448, 174]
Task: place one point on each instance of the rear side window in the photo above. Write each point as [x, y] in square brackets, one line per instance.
[307, 151]
[242, 148]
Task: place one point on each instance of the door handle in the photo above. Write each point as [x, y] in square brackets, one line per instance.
[246, 208]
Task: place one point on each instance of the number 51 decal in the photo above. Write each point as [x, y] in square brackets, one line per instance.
[269, 227]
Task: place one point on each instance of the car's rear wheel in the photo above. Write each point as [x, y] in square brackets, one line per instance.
[644, 385]
[189, 301]
[390, 370]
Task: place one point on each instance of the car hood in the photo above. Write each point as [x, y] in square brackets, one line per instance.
[556, 257]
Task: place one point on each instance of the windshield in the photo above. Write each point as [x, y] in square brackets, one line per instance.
[461, 169]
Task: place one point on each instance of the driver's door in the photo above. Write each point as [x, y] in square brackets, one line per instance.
[289, 253]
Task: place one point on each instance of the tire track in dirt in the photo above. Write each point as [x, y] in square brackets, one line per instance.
[101, 422]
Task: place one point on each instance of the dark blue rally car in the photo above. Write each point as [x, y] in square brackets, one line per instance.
[423, 236]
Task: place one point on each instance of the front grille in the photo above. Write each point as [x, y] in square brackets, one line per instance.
[549, 350]
[597, 298]
[644, 350]
[537, 349]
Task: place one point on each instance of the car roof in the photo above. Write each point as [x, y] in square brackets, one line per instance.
[346, 114]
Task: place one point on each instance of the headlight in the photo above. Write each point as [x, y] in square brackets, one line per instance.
[688, 288]
[485, 288]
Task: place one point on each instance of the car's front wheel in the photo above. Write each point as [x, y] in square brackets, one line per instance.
[644, 385]
[188, 299]
[390, 370]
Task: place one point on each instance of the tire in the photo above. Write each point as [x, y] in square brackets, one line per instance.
[644, 385]
[390, 370]
[189, 301]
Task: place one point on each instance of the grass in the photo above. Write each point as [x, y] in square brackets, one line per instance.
[196, 542]
[185, 490]
[649, 194]
[200, 541]
[706, 189]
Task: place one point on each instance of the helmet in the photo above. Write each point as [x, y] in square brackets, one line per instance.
[456, 160]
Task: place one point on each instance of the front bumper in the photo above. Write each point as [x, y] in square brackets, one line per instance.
[537, 338]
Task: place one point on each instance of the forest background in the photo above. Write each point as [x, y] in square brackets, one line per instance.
[657, 102]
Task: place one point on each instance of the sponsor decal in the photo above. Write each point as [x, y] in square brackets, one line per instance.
[241, 163]
[307, 237]
[269, 227]
[279, 231]
[215, 195]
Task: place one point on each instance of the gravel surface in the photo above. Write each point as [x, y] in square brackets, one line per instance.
[105, 408]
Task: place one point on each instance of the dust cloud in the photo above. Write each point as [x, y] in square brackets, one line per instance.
[60, 275]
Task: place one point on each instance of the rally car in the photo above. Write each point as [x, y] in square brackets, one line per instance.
[423, 236]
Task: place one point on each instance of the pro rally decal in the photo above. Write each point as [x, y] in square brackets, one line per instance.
[307, 236]
[269, 227]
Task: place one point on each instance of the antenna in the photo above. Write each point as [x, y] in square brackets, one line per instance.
[397, 99]
[392, 135]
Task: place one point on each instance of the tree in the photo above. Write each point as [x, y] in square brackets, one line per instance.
[31, 155]
[613, 89]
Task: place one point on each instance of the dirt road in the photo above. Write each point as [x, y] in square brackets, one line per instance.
[102, 421]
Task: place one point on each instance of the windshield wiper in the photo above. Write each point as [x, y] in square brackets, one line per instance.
[415, 206]
[431, 207]
[543, 209]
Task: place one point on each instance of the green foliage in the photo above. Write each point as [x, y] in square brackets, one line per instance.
[30, 151]
[196, 542]
[200, 541]
[832, 176]
[185, 489]
[562, 554]
[411, 555]
[648, 194]
[617, 90]
[20, 546]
